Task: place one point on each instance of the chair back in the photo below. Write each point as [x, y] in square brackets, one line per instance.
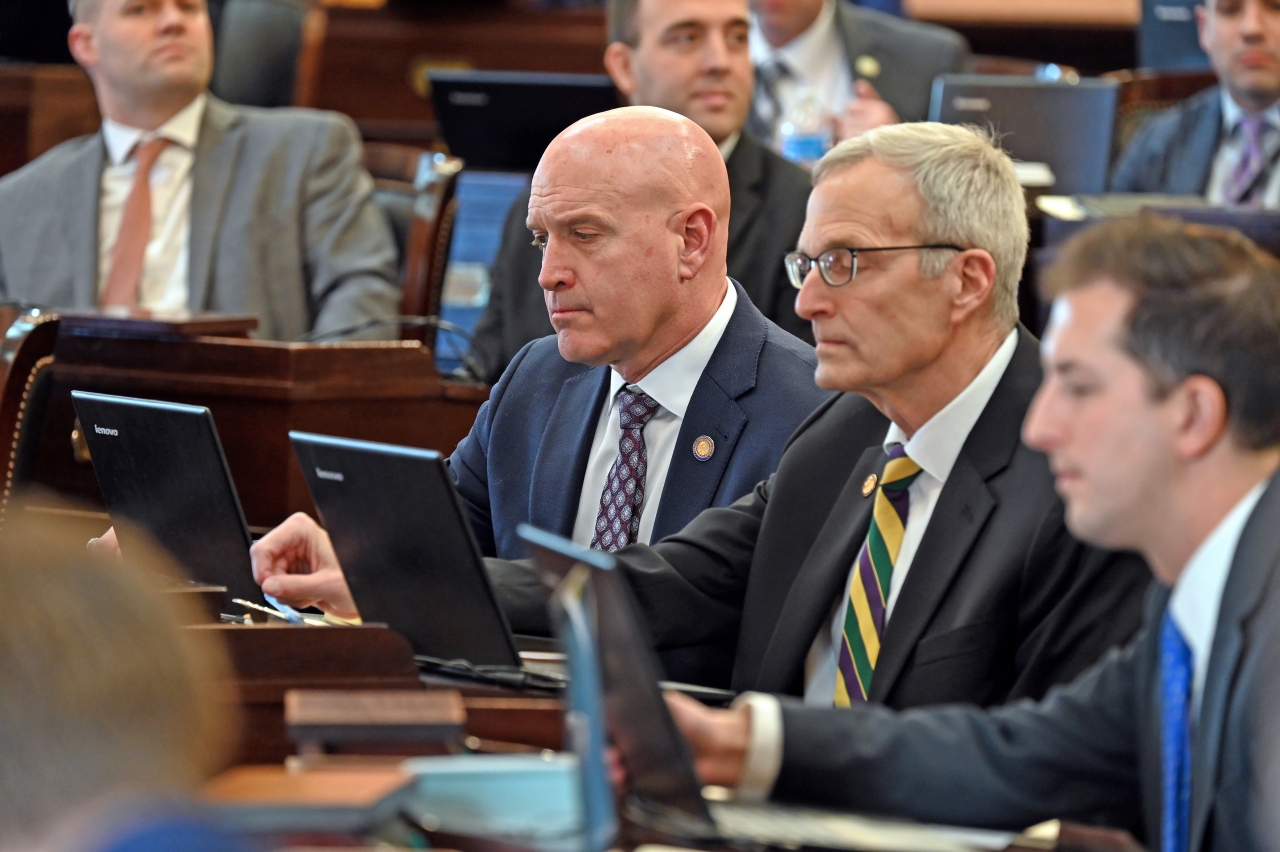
[415, 188]
[1144, 92]
[268, 52]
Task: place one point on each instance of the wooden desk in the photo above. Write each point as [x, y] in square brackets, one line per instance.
[1077, 13]
[257, 391]
[374, 58]
[40, 106]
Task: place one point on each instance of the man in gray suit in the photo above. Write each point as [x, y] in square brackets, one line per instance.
[690, 58]
[1222, 143]
[183, 201]
[867, 68]
[1160, 413]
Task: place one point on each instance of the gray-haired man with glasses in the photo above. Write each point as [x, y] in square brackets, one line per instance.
[909, 550]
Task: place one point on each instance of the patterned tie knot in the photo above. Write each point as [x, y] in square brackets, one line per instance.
[636, 409]
[1252, 126]
[900, 471]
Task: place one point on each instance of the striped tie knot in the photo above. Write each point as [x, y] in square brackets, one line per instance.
[900, 471]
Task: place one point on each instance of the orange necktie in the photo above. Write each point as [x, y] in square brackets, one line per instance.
[129, 253]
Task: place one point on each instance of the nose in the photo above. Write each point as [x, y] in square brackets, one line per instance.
[813, 301]
[1042, 429]
[171, 15]
[1251, 18]
[715, 56]
[556, 272]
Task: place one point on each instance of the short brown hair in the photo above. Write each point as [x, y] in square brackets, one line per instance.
[102, 690]
[1206, 302]
[620, 19]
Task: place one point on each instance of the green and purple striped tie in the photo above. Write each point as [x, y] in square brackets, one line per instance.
[873, 572]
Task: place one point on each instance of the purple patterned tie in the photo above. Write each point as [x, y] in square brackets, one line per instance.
[618, 522]
[1246, 183]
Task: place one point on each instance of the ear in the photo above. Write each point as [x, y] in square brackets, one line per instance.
[697, 225]
[975, 270]
[1201, 412]
[618, 62]
[81, 43]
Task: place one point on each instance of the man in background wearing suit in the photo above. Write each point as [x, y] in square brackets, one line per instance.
[663, 392]
[1224, 142]
[867, 68]
[688, 56]
[1160, 412]
[967, 587]
[185, 202]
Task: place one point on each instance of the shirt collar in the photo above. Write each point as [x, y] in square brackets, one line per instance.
[672, 382]
[183, 128]
[726, 147]
[1197, 595]
[1232, 112]
[808, 54]
[936, 445]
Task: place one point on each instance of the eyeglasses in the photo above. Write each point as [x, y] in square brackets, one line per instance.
[839, 265]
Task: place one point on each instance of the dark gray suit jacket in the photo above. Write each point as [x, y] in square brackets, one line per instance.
[1000, 603]
[908, 56]
[767, 201]
[283, 224]
[1173, 151]
[1088, 749]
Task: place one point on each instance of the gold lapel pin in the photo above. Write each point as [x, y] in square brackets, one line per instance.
[869, 485]
[867, 66]
[703, 448]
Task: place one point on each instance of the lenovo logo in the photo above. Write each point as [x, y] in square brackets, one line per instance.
[102, 430]
[331, 475]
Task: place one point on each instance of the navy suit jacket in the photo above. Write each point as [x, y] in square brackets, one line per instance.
[526, 455]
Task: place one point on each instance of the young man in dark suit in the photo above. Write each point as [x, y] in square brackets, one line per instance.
[1222, 143]
[1160, 413]
[691, 58]
[663, 392]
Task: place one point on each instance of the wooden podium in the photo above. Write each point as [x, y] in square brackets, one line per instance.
[257, 390]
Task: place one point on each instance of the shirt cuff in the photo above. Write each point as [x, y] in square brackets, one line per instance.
[764, 752]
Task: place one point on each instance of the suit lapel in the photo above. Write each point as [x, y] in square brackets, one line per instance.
[821, 578]
[1192, 162]
[746, 175]
[691, 484]
[961, 511]
[1251, 567]
[563, 453]
[81, 190]
[217, 152]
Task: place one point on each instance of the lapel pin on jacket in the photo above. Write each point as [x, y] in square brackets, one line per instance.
[703, 448]
[869, 485]
[867, 66]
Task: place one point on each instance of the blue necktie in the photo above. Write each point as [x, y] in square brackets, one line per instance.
[1175, 736]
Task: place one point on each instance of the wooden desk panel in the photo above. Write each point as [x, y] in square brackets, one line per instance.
[1076, 13]
[373, 59]
[41, 106]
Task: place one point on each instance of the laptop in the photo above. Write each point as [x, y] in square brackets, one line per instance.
[1067, 126]
[161, 467]
[406, 547]
[663, 793]
[504, 120]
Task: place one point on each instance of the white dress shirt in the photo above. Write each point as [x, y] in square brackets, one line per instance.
[1232, 148]
[935, 447]
[671, 385]
[1197, 595]
[164, 274]
[815, 58]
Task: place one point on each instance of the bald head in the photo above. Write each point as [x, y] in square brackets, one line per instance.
[631, 208]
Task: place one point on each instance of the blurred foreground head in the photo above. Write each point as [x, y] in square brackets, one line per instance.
[105, 698]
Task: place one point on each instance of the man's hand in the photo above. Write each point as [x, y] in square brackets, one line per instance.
[719, 738]
[867, 112]
[295, 563]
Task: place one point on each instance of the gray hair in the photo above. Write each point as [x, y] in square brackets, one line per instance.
[970, 192]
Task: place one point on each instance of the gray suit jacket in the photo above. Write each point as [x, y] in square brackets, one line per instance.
[282, 224]
[1089, 749]
[908, 56]
[1173, 151]
[767, 201]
